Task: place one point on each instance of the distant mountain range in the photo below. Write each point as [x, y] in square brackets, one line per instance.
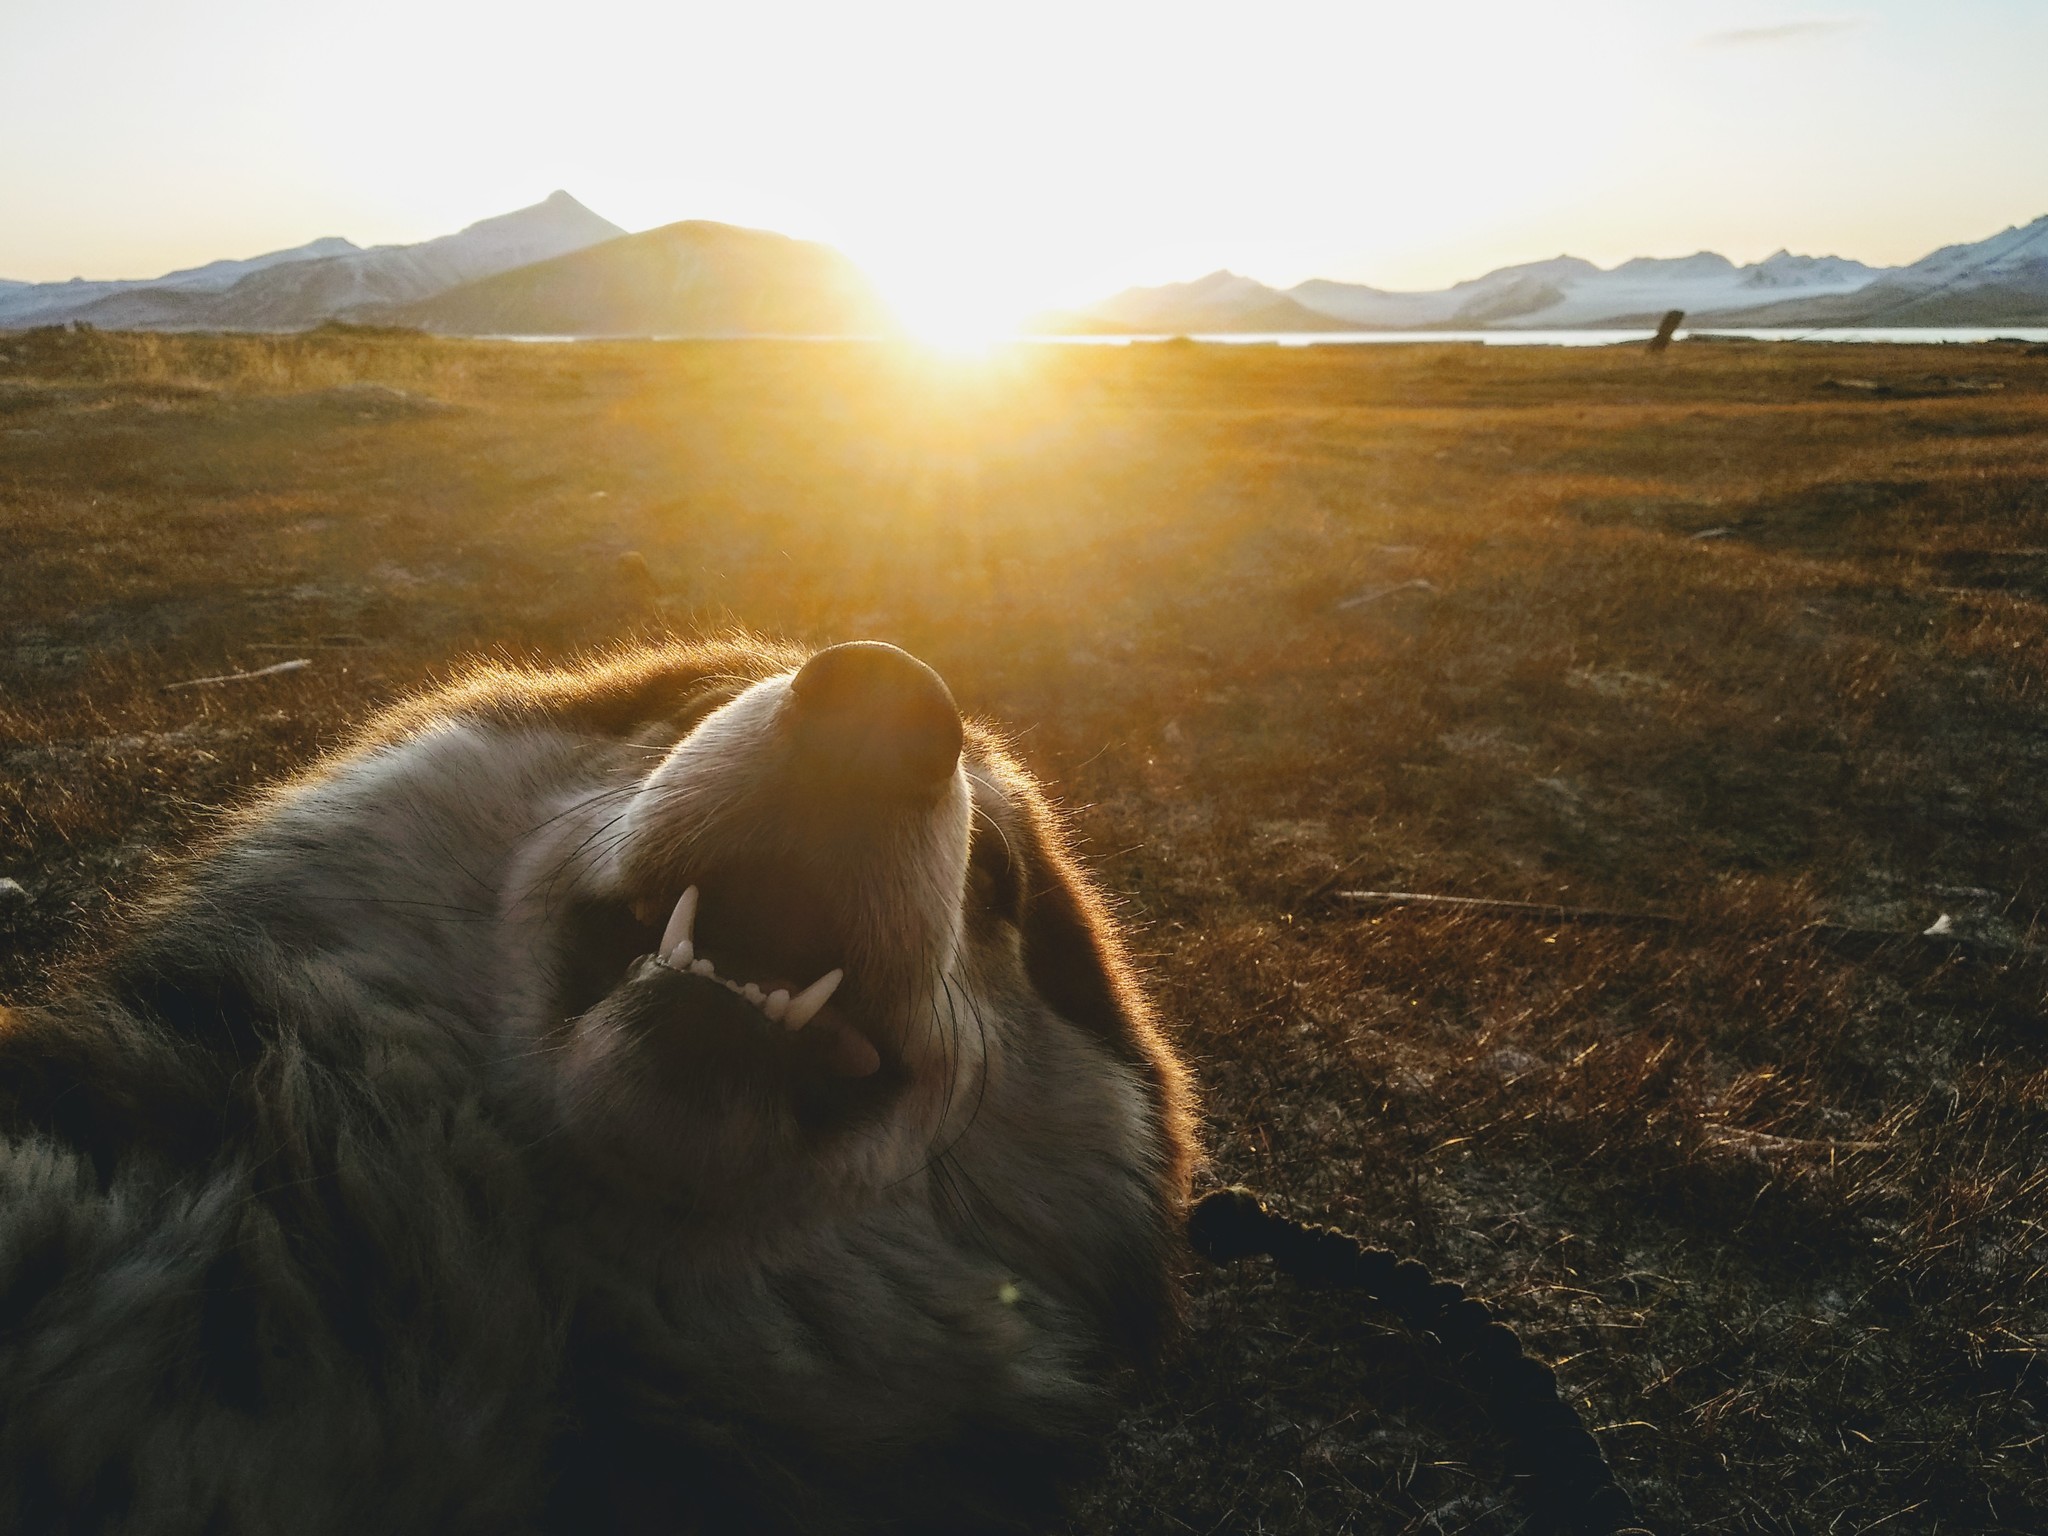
[690, 279]
[559, 269]
[553, 269]
[328, 279]
[1999, 281]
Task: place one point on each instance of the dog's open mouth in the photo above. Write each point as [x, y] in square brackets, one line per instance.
[801, 853]
[789, 996]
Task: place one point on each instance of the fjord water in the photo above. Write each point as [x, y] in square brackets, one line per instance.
[1928, 335]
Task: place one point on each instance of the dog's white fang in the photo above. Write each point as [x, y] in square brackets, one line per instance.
[805, 1005]
[682, 924]
[679, 953]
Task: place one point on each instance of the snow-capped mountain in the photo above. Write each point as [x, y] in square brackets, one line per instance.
[327, 280]
[217, 275]
[1567, 293]
[400, 274]
[24, 304]
[1999, 281]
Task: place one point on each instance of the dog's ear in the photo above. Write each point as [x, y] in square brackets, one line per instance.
[1076, 963]
[1068, 951]
[1072, 954]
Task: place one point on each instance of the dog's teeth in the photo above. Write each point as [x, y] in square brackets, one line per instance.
[682, 925]
[752, 994]
[777, 1004]
[805, 1005]
[703, 967]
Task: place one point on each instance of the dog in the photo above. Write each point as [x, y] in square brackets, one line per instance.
[693, 1092]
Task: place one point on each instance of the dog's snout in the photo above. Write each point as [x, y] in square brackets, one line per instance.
[878, 716]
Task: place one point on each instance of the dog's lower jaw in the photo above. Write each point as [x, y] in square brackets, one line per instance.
[962, 1297]
[875, 1309]
[739, 1162]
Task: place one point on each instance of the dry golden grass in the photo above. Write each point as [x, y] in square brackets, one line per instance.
[1276, 624]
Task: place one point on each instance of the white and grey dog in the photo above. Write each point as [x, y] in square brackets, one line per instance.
[696, 1092]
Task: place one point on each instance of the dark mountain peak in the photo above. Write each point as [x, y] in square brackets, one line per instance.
[695, 277]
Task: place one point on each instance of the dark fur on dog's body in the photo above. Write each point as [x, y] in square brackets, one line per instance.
[382, 1181]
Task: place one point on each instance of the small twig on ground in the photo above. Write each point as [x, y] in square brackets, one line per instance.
[240, 677]
[1763, 1143]
[324, 642]
[1366, 599]
[1858, 942]
[1323, 886]
[1559, 914]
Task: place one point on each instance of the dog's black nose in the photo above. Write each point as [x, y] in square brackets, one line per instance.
[878, 716]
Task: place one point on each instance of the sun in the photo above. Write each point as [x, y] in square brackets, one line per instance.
[949, 313]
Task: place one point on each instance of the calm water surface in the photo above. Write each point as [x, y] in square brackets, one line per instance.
[1924, 335]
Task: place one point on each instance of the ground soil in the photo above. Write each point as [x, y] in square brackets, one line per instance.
[1751, 637]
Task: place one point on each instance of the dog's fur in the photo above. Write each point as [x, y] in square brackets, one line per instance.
[377, 1182]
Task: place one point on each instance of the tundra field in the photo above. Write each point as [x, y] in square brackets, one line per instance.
[1755, 637]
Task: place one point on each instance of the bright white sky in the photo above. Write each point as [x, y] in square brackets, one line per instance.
[984, 160]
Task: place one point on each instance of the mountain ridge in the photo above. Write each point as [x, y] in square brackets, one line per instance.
[695, 277]
[2002, 280]
[692, 281]
[324, 280]
[57, 303]
[1222, 300]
